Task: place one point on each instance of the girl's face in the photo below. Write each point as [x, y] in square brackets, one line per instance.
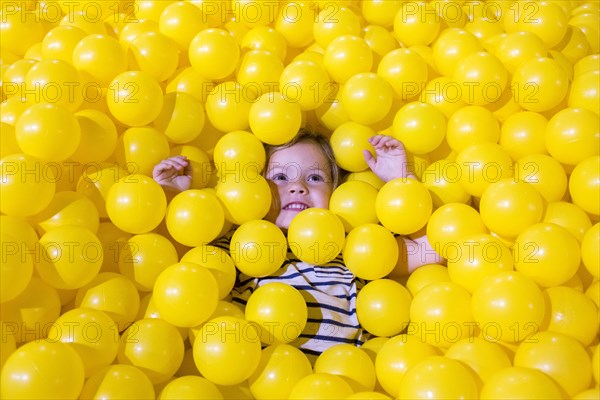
[301, 176]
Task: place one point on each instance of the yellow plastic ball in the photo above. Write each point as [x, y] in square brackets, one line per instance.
[366, 176]
[416, 24]
[595, 364]
[405, 70]
[218, 262]
[295, 23]
[397, 355]
[181, 21]
[326, 28]
[98, 137]
[26, 326]
[471, 125]
[190, 386]
[227, 350]
[523, 134]
[539, 84]
[259, 72]
[189, 81]
[321, 386]
[589, 250]
[48, 131]
[586, 64]
[482, 77]
[214, 53]
[370, 251]
[518, 47]
[569, 216]
[426, 275]
[266, 38]
[139, 149]
[136, 204]
[316, 236]
[354, 204]
[583, 91]
[515, 382]
[367, 98]
[380, 12]
[96, 180]
[507, 207]
[544, 173]
[571, 313]
[440, 377]
[181, 118]
[59, 42]
[584, 183]
[41, 368]
[143, 257]
[274, 119]
[348, 142]
[91, 333]
[347, 55]
[20, 29]
[113, 294]
[305, 83]
[54, 81]
[227, 106]
[444, 93]
[153, 53]
[441, 312]
[71, 256]
[101, 56]
[452, 45]
[244, 197]
[547, 21]
[149, 340]
[403, 205]
[451, 222]
[239, 151]
[190, 210]
[415, 118]
[484, 357]
[185, 294]
[383, 307]
[349, 362]
[481, 165]
[547, 253]
[477, 256]
[67, 208]
[279, 311]
[258, 248]
[554, 354]
[281, 366]
[508, 306]
[572, 135]
[18, 241]
[134, 98]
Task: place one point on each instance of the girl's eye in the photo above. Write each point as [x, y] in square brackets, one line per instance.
[316, 178]
[279, 177]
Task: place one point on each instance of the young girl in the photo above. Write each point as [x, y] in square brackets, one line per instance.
[329, 290]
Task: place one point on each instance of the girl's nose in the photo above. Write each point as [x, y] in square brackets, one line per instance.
[297, 188]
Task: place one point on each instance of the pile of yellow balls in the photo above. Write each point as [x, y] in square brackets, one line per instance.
[110, 288]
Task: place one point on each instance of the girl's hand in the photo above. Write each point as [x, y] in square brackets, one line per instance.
[174, 173]
[390, 161]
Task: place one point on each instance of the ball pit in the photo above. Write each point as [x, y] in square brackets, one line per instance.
[110, 288]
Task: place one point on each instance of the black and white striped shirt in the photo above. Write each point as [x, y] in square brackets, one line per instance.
[329, 291]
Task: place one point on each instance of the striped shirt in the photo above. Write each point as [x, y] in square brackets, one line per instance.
[329, 291]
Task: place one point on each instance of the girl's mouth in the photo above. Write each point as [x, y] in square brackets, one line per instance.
[295, 206]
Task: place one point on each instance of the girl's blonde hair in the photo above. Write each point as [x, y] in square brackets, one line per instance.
[304, 136]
